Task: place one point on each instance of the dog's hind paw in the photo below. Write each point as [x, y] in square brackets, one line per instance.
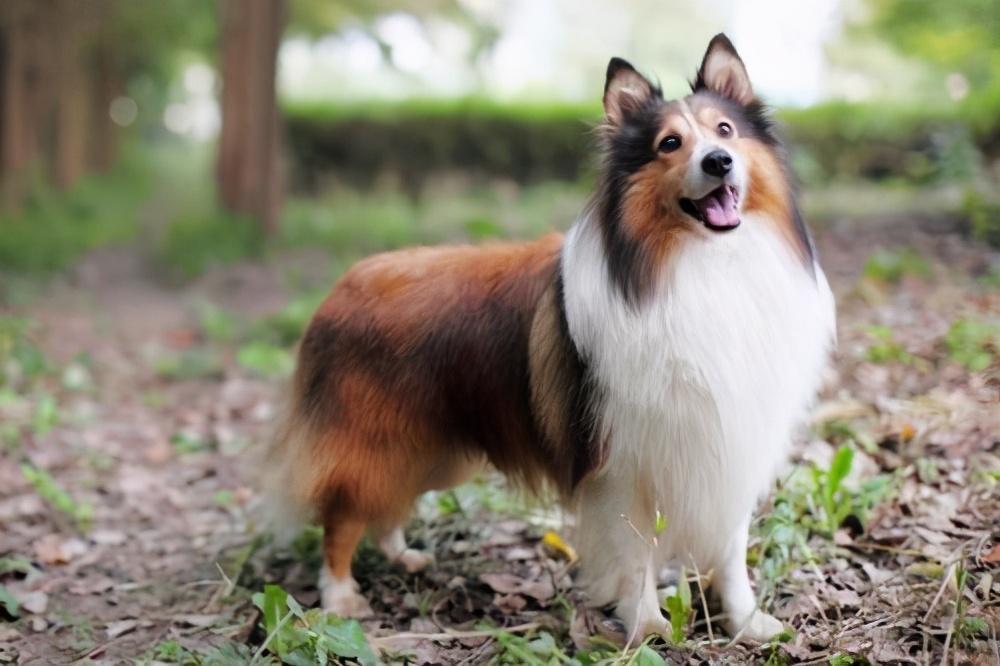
[414, 560]
[342, 598]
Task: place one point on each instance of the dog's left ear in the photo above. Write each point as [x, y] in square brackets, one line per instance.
[625, 91]
[723, 72]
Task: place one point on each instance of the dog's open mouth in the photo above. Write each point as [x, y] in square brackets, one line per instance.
[717, 210]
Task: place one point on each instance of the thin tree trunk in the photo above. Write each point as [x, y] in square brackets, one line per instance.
[108, 84]
[19, 113]
[247, 170]
[71, 105]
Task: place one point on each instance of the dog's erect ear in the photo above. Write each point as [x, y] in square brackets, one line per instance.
[625, 91]
[723, 72]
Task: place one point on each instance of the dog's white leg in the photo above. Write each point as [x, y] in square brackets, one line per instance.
[342, 596]
[639, 607]
[743, 618]
[392, 543]
[616, 558]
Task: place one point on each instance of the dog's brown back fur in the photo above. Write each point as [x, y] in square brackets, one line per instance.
[422, 362]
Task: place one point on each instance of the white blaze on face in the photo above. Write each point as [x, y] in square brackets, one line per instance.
[697, 183]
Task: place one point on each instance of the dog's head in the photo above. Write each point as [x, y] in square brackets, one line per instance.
[695, 161]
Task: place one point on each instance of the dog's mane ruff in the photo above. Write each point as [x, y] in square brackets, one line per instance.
[624, 150]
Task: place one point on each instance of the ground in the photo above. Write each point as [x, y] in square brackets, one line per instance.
[129, 408]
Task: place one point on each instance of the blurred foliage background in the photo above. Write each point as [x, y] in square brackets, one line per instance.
[208, 132]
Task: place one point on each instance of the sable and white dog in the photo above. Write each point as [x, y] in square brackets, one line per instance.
[655, 360]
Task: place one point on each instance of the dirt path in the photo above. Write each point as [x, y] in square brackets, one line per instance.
[146, 412]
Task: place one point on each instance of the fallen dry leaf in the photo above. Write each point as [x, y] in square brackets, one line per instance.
[509, 603]
[555, 542]
[121, 627]
[34, 602]
[505, 583]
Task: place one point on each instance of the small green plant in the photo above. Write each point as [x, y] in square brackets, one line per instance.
[286, 326]
[187, 442]
[784, 542]
[775, 657]
[266, 360]
[448, 502]
[974, 344]
[984, 217]
[835, 500]
[54, 228]
[192, 363]
[172, 652]
[966, 628]
[891, 267]
[50, 491]
[885, 348]
[659, 523]
[300, 638]
[217, 324]
[46, 414]
[812, 500]
[830, 502]
[20, 359]
[199, 240]
[679, 610]
[839, 431]
[9, 603]
[542, 649]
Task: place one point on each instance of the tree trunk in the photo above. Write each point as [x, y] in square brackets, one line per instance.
[247, 170]
[71, 97]
[21, 112]
[109, 83]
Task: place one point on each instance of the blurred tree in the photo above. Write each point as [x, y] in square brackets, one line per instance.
[250, 180]
[62, 62]
[247, 169]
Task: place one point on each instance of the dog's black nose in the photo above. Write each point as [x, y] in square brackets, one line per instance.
[717, 163]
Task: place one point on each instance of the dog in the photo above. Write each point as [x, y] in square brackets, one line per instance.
[650, 365]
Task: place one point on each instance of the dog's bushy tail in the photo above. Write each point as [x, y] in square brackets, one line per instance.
[283, 472]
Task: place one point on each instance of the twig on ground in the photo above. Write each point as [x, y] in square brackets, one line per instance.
[704, 602]
[382, 642]
[937, 597]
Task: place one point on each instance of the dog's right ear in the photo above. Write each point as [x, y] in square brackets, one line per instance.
[625, 91]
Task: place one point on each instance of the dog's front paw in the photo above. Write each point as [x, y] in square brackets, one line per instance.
[759, 627]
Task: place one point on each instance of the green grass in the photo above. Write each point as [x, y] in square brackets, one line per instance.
[885, 348]
[54, 228]
[197, 241]
[974, 344]
[891, 266]
[298, 636]
[56, 496]
[814, 500]
[348, 222]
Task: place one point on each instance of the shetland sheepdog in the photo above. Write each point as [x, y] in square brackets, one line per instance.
[650, 365]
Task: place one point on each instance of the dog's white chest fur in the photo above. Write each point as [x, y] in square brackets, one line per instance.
[705, 380]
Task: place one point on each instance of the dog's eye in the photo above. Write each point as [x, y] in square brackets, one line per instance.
[725, 130]
[670, 144]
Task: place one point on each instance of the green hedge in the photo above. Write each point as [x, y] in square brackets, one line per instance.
[420, 138]
[529, 143]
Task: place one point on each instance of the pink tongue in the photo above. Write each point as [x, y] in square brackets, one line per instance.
[719, 208]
